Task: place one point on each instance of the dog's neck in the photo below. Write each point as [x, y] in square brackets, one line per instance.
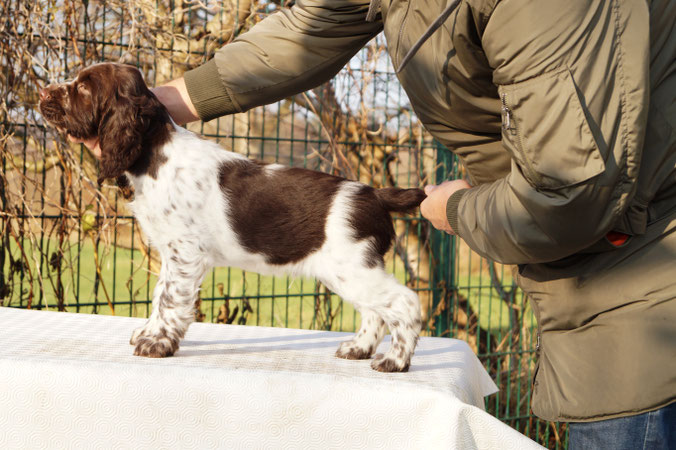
[152, 156]
[149, 162]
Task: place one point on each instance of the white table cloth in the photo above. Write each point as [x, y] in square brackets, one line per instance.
[71, 381]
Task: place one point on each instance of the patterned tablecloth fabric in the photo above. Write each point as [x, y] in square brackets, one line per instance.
[71, 381]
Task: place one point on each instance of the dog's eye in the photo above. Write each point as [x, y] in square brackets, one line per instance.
[81, 87]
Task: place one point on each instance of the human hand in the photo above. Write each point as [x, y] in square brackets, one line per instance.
[92, 144]
[174, 96]
[433, 208]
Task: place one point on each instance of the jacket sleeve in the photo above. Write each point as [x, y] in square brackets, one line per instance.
[573, 82]
[287, 53]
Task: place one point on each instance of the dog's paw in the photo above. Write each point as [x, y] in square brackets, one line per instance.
[136, 334]
[154, 346]
[349, 350]
[383, 363]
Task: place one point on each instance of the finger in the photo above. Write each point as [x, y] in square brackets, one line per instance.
[423, 209]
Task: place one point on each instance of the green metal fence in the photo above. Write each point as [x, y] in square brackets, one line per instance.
[69, 245]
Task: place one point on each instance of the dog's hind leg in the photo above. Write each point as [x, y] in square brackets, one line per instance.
[173, 304]
[401, 313]
[382, 301]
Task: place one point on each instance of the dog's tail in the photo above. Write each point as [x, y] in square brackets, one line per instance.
[400, 200]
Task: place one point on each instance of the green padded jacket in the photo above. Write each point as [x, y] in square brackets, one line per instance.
[564, 115]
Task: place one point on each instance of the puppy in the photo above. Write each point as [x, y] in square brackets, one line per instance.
[201, 206]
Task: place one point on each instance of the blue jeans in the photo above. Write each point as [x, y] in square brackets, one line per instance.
[654, 430]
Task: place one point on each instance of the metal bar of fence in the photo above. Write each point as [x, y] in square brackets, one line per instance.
[441, 251]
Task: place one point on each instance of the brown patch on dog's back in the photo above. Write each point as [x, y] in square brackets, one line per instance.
[280, 213]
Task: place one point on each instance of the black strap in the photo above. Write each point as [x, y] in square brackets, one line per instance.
[374, 7]
[430, 31]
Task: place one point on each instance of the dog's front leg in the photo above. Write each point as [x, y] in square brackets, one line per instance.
[173, 305]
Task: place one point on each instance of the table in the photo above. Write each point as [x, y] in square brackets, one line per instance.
[71, 381]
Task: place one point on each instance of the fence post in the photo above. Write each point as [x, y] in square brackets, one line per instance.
[443, 250]
[4, 236]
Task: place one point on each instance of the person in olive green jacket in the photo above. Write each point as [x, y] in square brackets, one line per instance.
[564, 116]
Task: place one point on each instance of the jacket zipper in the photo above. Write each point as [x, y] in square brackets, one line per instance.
[506, 116]
[509, 128]
[538, 343]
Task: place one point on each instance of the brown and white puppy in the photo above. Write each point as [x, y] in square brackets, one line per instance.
[202, 206]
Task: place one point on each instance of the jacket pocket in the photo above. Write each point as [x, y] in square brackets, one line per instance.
[545, 129]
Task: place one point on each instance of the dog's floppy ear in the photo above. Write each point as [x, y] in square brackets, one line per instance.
[120, 138]
[126, 120]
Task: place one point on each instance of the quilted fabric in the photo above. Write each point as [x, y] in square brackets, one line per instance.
[71, 381]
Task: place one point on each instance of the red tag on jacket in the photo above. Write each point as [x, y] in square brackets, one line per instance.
[616, 238]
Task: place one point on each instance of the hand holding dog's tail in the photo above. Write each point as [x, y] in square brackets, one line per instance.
[434, 207]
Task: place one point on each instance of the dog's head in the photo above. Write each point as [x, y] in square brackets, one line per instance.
[112, 102]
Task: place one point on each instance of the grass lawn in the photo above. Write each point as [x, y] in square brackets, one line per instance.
[273, 301]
